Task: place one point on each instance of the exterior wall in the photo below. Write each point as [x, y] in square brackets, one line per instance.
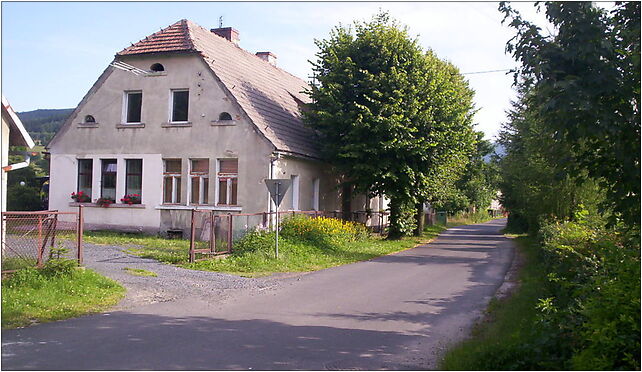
[156, 139]
[142, 217]
[308, 170]
[5, 162]
[330, 193]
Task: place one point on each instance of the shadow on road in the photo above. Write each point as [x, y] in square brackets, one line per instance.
[194, 343]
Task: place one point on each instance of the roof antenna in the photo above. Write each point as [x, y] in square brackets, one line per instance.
[220, 22]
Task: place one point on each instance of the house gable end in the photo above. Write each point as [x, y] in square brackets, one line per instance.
[65, 127]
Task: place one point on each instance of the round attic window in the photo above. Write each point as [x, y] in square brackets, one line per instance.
[225, 116]
[89, 119]
[157, 67]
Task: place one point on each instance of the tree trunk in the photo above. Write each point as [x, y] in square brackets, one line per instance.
[394, 229]
[419, 217]
[346, 199]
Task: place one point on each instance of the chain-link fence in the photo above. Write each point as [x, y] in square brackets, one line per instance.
[29, 239]
[214, 234]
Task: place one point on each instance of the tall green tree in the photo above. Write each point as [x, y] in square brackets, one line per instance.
[378, 109]
[584, 85]
[533, 181]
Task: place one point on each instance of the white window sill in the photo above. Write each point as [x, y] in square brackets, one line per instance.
[223, 123]
[130, 125]
[177, 124]
[200, 207]
[155, 73]
[115, 205]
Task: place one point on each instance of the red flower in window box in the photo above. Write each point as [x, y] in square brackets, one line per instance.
[105, 202]
[131, 199]
[80, 197]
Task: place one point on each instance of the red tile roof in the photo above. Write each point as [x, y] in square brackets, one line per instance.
[266, 93]
[174, 38]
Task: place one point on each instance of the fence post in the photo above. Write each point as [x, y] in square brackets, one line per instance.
[265, 220]
[39, 259]
[80, 231]
[192, 254]
[212, 235]
[229, 233]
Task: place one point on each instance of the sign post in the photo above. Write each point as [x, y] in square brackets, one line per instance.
[277, 189]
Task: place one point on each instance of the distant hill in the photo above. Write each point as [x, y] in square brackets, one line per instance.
[42, 124]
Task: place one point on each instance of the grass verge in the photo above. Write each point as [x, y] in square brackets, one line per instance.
[507, 321]
[32, 296]
[139, 272]
[302, 256]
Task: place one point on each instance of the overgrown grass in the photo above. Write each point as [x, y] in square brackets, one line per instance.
[171, 251]
[139, 272]
[498, 341]
[34, 296]
[16, 263]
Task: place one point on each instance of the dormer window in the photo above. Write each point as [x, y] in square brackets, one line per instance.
[225, 116]
[89, 120]
[157, 67]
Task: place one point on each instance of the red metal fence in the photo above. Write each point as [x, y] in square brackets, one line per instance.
[29, 239]
[214, 234]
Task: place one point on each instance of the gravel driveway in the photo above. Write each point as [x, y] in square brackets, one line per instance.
[172, 283]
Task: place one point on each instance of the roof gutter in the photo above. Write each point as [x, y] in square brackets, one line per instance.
[24, 164]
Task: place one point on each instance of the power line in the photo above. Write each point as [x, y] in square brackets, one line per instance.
[485, 72]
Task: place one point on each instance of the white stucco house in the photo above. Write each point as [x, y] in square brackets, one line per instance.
[187, 119]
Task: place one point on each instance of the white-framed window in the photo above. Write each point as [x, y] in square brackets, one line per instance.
[179, 106]
[199, 176]
[227, 181]
[133, 107]
[85, 178]
[315, 193]
[134, 177]
[108, 178]
[172, 181]
[295, 192]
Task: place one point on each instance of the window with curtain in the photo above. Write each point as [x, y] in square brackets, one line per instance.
[108, 179]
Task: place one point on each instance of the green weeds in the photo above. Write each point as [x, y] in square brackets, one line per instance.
[139, 272]
[60, 290]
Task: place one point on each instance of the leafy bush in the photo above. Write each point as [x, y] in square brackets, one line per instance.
[322, 229]
[594, 282]
[255, 241]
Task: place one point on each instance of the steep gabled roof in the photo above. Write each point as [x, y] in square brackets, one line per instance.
[174, 38]
[18, 135]
[268, 95]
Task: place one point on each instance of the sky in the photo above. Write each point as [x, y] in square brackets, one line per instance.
[53, 52]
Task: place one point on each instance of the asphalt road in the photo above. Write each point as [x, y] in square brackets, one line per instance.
[395, 312]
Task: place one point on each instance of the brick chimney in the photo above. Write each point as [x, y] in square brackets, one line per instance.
[228, 33]
[268, 57]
